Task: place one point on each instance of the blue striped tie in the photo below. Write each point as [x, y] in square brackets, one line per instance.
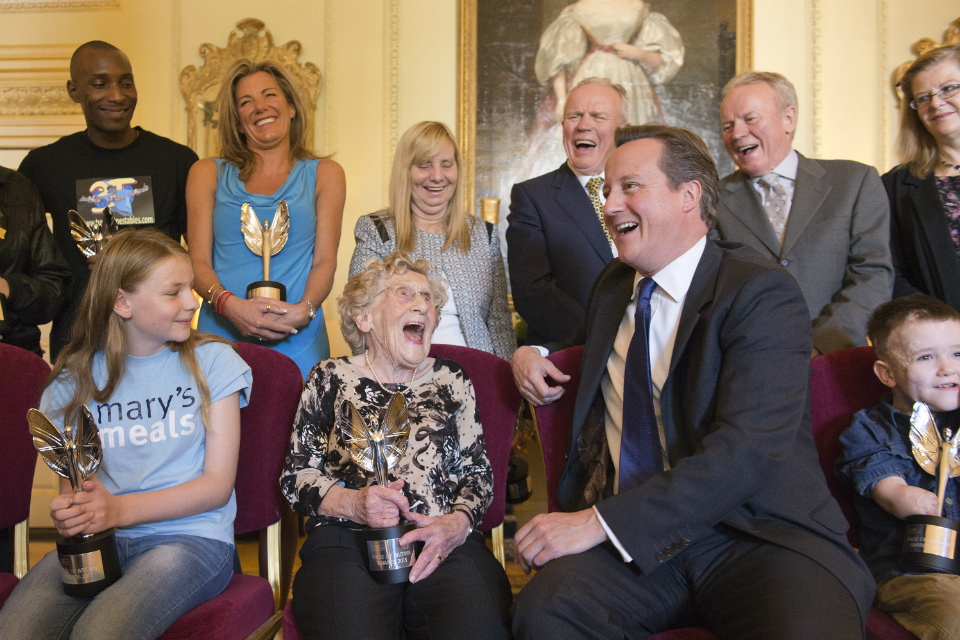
[641, 454]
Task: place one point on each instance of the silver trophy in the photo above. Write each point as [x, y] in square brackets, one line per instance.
[89, 562]
[376, 448]
[92, 236]
[930, 542]
[265, 241]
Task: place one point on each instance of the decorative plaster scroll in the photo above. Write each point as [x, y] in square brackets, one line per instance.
[921, 46]
[199, 86]
[56, 5]
[37, 101]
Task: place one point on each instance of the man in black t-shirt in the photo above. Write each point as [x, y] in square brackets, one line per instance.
[141, 176]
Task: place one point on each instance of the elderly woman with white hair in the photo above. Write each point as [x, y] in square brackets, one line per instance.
[442, 482]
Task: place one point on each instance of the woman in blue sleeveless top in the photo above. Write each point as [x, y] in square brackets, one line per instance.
[263, 141]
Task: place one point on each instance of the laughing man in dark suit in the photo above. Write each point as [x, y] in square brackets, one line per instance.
[556, 243]
[692, 489]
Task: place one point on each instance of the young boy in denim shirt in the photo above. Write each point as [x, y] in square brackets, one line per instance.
[917, 343]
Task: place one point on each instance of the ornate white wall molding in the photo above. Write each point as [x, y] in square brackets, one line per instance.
[56, 5]
[882, 77]
[35, 108]
[391, 86]
[816, 67]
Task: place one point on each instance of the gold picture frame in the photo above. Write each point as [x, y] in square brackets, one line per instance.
[467, 79]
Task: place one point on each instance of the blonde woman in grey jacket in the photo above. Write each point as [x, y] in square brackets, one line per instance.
[426, 220]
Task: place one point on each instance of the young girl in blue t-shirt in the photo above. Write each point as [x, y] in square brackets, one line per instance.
[167, 401]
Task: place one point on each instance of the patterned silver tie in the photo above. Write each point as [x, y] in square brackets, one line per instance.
[775, 204]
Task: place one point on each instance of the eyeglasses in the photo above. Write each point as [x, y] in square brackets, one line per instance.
[407, 294]
[922, 102]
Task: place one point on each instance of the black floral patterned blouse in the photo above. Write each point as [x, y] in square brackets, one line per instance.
[949, 189]
[445, 462]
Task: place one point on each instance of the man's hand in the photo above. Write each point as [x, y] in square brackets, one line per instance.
[530, 373]
[900, 499]
[554, 535]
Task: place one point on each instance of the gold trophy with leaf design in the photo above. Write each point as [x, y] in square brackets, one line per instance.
[930, 542]
[89, 562]
[376, 448]
[265, 240]
[92, 236]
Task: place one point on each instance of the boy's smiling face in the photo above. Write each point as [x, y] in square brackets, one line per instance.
[924, 365]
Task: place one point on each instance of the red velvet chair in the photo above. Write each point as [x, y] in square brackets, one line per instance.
[21, 382]
[249, 606]
[498, 402]
[842, 383]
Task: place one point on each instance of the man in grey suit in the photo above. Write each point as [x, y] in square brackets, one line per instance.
[556, 241]
[824, 221]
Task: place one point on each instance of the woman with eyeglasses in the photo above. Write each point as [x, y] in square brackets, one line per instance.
[924, 191]
[441, 479]
[426, 219]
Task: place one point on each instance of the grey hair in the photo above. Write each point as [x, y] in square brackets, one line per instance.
[604, 82]
[786, 93]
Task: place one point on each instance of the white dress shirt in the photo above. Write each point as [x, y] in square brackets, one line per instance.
[666, 305]
[448, 330]
[583, 183]
[787, 177]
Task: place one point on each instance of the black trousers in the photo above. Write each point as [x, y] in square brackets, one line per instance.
[468, 596]
[737, 586]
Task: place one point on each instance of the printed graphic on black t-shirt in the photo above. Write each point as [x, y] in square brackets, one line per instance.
[130, 199]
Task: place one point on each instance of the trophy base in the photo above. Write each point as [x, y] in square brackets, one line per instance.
[89, 564]
[387, 561]
[267, 289]
[930, 545]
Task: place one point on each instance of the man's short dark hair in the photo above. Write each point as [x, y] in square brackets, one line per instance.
[888, 317]
[685, 158]
[95, 45]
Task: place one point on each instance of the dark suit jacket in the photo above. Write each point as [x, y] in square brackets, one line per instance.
[555, 250]
[736, 418]
[836, 245]
[924, 256]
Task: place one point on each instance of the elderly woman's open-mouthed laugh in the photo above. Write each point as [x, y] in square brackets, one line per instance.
[442, 482]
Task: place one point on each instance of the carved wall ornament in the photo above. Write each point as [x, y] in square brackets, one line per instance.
[922, 46]
[201, 86]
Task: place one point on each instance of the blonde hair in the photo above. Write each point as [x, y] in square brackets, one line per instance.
[129, 259]
[364, 285]
[418, 144]
[233, 143]
[916, 146]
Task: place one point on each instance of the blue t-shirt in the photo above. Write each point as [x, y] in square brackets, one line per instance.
[153, 433]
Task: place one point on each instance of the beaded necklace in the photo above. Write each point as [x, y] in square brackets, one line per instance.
[375, 377]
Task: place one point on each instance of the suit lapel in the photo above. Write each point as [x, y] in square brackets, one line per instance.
[601, 333]
[808, 194]
[933, 223]
[744, 203]
[574, 201]
[699, 295]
